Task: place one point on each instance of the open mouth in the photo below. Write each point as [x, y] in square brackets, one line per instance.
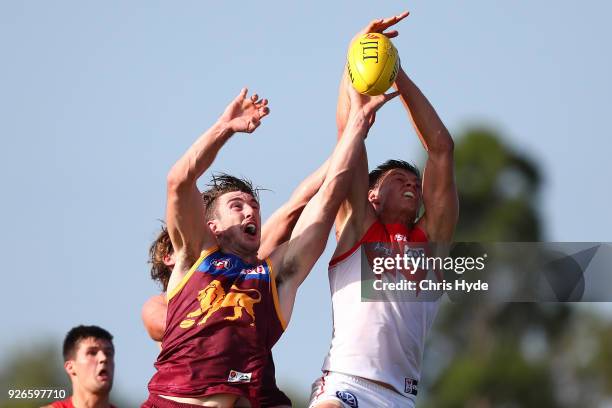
[103, 374]
[251, 229]
[408, 194]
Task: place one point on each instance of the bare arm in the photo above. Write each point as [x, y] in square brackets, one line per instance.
[353, 211]
[355, 214]
[439, 189]
[185, 209]
[154, 316]
[294, 260]
[278, 227]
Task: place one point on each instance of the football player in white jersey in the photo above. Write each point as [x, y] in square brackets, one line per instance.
[376, 352]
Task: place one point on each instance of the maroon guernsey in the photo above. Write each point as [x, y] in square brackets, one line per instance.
[223, 319]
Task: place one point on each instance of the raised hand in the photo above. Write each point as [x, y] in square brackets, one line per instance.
[364, 104]
[244, 115]
[344, 100]
[380, 25]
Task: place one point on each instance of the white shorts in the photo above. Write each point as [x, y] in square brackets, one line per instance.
[355, 392]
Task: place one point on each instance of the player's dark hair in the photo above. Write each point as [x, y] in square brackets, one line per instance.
[160, 248]
[76, 334]
[222, 183]
[376, 174]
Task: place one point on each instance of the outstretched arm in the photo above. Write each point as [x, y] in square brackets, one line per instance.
[354, 215]
[294, 260]
[278, 227]
[439, 189]
[185, 209]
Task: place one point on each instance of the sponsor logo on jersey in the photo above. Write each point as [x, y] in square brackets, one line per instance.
[414, 252]
[223, 263]
[259, 270]
[410, 386]
[349, 398]
[400, 238]
[382, 248]
[238, 377]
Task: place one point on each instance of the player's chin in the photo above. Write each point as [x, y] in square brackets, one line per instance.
[409, 207]
[251, 242]
[104, 384]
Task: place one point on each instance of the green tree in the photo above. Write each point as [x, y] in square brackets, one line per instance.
[38, 366]
[505, 354]
[498, 190]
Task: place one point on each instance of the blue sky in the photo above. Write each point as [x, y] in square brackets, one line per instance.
[98, 101]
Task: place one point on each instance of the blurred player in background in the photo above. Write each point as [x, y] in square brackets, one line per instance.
[377, 347]
[161, 258]
[89, 361]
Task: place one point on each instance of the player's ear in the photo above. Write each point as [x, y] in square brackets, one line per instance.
[373, 196]
[168, 259]
[69, 367]
[214, 227]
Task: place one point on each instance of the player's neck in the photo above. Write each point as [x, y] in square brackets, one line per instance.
[249, 257]
[84, 399]
[396, 218]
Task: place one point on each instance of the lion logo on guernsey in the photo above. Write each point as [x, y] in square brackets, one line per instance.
[213, 297]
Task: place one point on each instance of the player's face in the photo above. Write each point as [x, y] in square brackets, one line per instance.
[93, 365]
[398, 192]
[239, 220]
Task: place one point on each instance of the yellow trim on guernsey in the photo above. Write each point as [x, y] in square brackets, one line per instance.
[183, 281]
[275, 295]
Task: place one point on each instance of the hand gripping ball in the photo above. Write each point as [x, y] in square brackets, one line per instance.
[372, 63]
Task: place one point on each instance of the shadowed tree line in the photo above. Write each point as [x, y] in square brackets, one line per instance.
[35, 367]
[39, 365]
[484, 354]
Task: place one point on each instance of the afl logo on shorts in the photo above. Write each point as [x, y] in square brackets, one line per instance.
[221, 263]
[238, 377]
[348, 398]
[410, 386]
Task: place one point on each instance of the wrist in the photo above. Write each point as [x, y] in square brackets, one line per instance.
[224, 129]
[400, 78]
[359, 118]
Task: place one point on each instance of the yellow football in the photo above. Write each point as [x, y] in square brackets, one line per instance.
[372, 63]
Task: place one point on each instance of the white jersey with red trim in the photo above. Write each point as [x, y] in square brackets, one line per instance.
[377, 340]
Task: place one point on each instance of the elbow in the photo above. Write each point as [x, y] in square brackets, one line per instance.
[443, 145]
[336, 190]
[177, 179]
[153, 317]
